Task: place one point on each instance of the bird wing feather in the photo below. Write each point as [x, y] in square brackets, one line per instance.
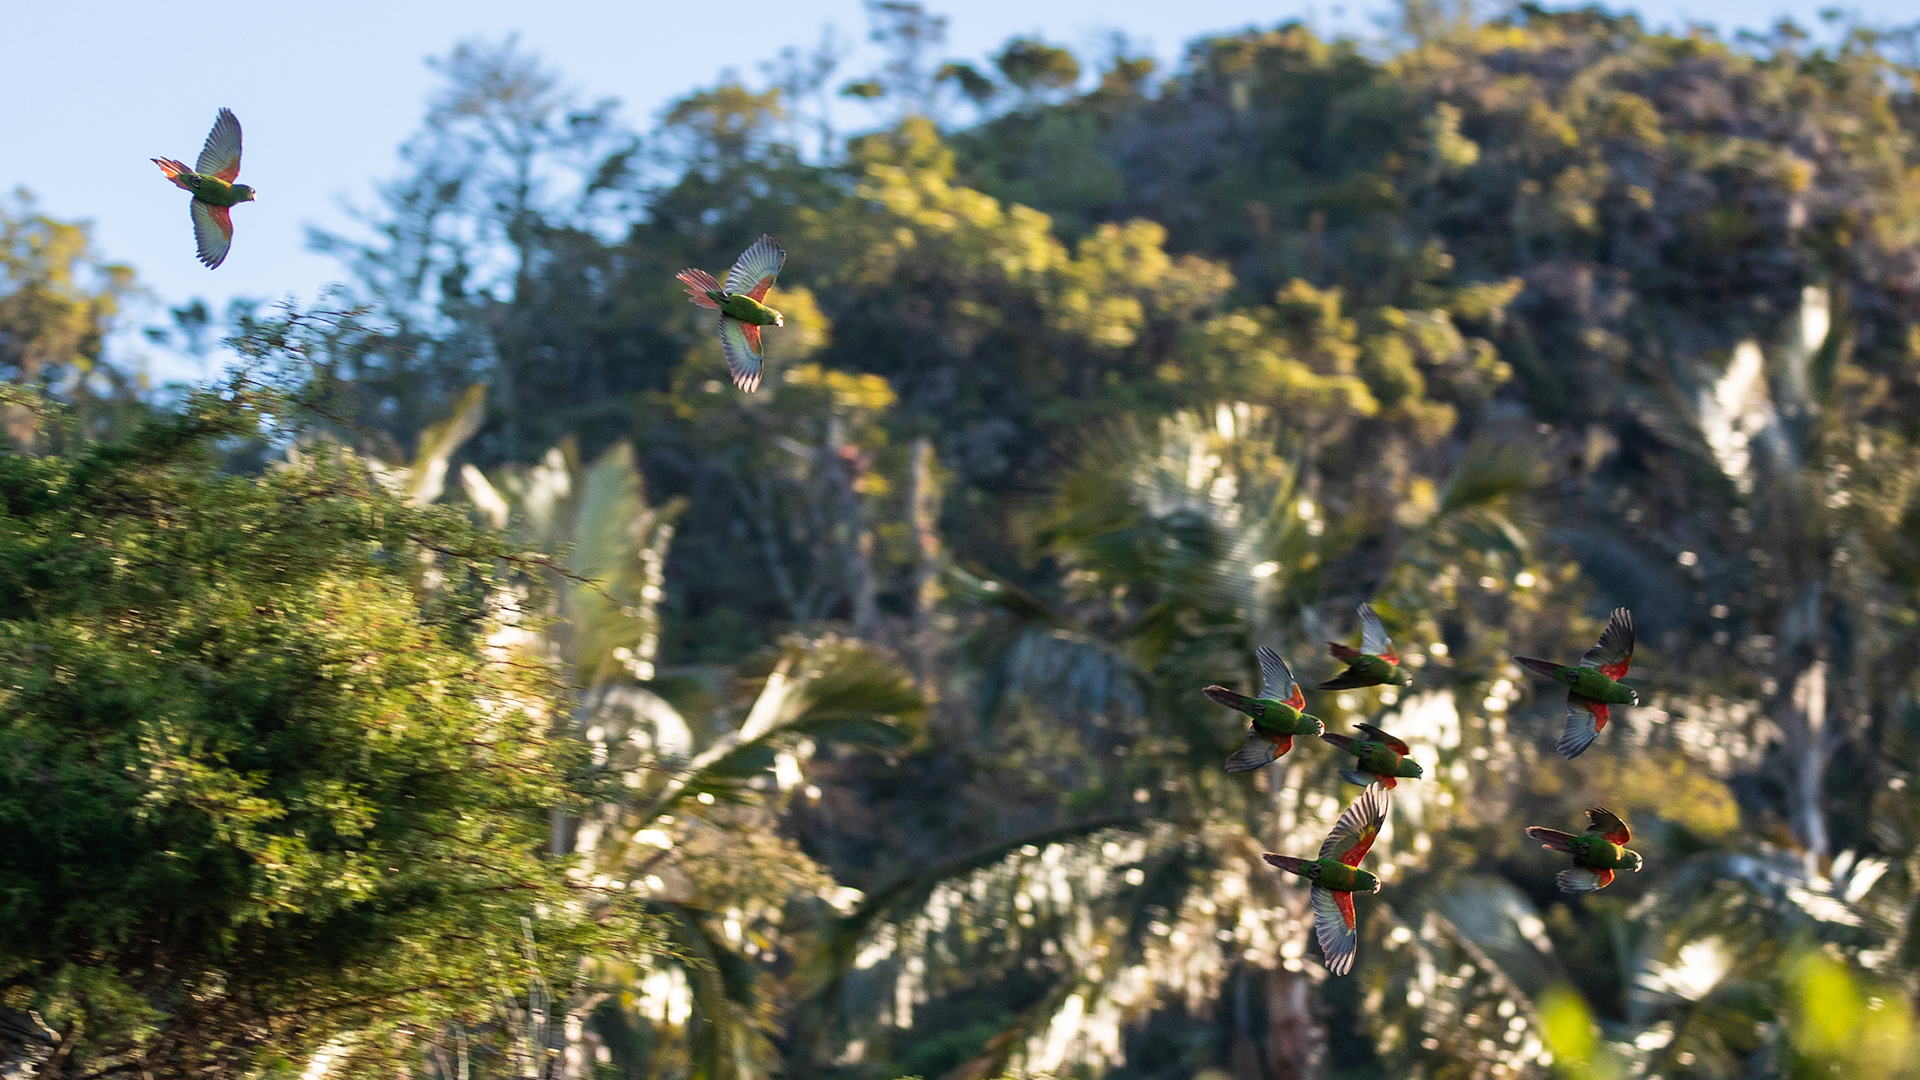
[1258, 751]
[1351, 679]
[742, 358]
[1398, 746]
[1607, 825]
[1276, 679]
[212, 232]
[1353, 834]
[1614, 654]
[1373, 634]
[1335, 924]
[1584, 720]
[220, 157]
[1577, 879]
[756, 268]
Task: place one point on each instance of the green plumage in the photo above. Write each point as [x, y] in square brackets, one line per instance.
[211, 180]
[1596, 854]
[746, 309]
[1278, 713]
[209, 189]
[1593, 684]
[1589, 683]
[1374, 663]
[1380, 757]
[1368, 670]
[1272, 717]
[1336, 875]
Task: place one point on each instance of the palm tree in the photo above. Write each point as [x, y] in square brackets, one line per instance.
[1181, 547]
[690, 819]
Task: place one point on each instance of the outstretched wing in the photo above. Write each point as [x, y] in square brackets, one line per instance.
[1337, 928]
[1377, 735]
[212, 232]
[1607, 825]
[1580, 879]
[753, 274]
[743, 359]
[1353, 834]
[1351, 679]
[1276, 679]
[1258, 751]
[1373, 635]
[1584, 721]
[1614, 654]
[220, 157]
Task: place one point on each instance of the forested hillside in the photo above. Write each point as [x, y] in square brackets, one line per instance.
[884, 682]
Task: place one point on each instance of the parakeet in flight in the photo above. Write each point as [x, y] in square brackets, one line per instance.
[742, 313]
[1336, 876]
[214, 192]
[1278, 713]
[1591, 686]
[1596, 855]
[1382, 758]
[1374, 663]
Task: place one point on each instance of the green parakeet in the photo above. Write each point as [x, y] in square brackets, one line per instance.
[1591, 686]
[214, 192]
[1277, 713]
[1336, 876]
[1382, 758]
[742, 312]
[1374, 663]
[1596, 855]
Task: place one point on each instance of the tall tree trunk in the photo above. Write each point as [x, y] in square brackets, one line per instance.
[1296, 1040]
[923, 519]
[849, 527]
[1808, 747]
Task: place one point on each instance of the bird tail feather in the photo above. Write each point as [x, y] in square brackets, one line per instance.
[173, 170]
[699, 283]
[1344, 742]
[1552, 839]
[1223, 696]
[1544, 667]
[1284, 862]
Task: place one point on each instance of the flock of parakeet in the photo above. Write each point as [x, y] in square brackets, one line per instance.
[740, 303]
[1381, 761]
[1279, 714]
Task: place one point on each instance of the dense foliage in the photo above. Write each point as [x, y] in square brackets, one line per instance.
[268, 784]
[886, 677]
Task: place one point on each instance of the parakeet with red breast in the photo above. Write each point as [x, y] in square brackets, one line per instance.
[742, 307]
[1336, 876]
[1381, 758]
[211, 180]
[1278, 713]
[1593, 684]
[1596, 855]
[1374, 663]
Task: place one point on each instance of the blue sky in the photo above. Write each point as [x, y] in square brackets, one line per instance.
[327, 92]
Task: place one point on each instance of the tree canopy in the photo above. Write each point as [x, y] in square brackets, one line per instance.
[876, 694]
